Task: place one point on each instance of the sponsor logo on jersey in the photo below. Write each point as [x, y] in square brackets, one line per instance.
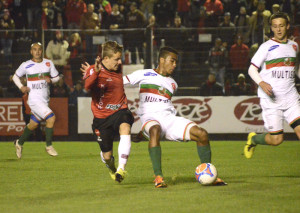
[195, 110]
[273, 47]
[39, 85]
[48, 64]
[150, 74]
[287, 61]
[29, 65]
[109, 79]
[283, 74]
[113, 106]
[249, 111]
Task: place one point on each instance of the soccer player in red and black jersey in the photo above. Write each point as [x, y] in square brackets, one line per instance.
[109, 106]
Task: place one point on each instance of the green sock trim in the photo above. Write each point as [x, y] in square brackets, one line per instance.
[49, 134]
[204, 153]
[259, 139]
[155, 155]
[25, 136]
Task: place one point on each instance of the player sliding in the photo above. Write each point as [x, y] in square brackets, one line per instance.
[279, 98]
[40, 73]
[109, 107]
[158, 115]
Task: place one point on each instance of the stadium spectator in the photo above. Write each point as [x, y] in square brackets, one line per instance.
[40, 72]
[77, 91]
[241, 87]
[116, 21]
[18, 13]
[57, 51]
[158, 115]
[239, 57]
[259, 25]
[90, 24]
[111, 114]
[183, 8]
[242, 24]
[147, 7]
[156, 38]
[214, 9]
[279, 98]
[275, 8]
[76, 55]
[7, 24]
[164, 13]
[135, 19]
[210, 87]
[59, 19]
[226, 31]
[218, 60]
[74, 10]
[33, 8]
[103, 8]
[194, 13]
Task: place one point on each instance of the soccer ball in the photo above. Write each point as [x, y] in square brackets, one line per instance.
[206, 173]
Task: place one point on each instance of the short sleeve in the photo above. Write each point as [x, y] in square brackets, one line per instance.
[135, 77]
[21, 71]
[260, 56]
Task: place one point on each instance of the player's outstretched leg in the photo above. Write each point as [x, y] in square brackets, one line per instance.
[124, 151]
[200, 135]
[50, 120]
[155, 156]
[110, 164]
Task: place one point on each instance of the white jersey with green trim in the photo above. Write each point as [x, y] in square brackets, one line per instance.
[155, 92]
[277, 62]
[39, 88]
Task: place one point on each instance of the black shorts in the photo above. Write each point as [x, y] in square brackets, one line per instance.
[105, 129]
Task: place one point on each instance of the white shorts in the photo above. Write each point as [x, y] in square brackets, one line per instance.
[173, 127]
[274, 114]
[40, 110]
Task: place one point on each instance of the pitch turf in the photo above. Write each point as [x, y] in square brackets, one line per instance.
[76, 180]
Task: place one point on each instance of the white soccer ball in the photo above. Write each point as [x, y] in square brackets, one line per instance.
[206, 173]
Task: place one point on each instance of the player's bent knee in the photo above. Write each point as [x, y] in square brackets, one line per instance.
[276, 139]
[155, 130]
[199, 135]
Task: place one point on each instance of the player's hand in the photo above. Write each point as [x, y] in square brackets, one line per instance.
[266, 88]
[84, 67]
[25, 89]
[47, 79]
[98, 64]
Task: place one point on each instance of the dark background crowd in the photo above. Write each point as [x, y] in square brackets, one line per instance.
[71, 31]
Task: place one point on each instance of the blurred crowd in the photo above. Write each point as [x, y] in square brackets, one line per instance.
[241, 25]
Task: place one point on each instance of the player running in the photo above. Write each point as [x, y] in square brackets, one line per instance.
[40, 73]
[109, 106]
[279, 98]
[158, 115]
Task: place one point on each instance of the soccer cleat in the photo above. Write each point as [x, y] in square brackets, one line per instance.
[249, 147]
[219, 182]
[120, 175]
[112, 174]
[159, 182]
[19, 149]
[51, 151]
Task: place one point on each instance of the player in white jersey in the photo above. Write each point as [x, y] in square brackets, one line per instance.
[40, 72]
[279, 98]
[158, 114]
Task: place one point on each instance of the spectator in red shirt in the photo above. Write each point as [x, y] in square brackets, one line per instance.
[214, 9]
[74, 10]
[183, 8]
[239, 57]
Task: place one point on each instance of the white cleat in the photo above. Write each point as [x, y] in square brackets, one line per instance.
[51, 151]
[19, 149]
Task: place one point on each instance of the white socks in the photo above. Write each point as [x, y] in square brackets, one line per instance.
[124, 150]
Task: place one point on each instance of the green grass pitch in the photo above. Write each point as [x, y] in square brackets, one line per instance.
[77, 181]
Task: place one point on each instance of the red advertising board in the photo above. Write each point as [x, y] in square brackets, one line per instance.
[12, 121]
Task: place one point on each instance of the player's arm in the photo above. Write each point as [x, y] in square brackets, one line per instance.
[253, 72]
[19, 84]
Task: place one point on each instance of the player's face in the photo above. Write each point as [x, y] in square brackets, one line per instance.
[279, 28]
[113, 63]
[36, 52]
[169, 64]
